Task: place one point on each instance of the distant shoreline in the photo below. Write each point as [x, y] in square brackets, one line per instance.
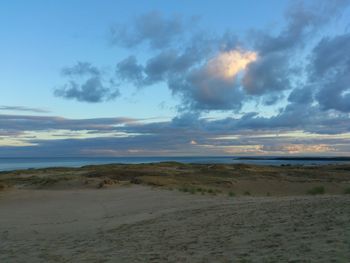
[277, 158]
[10, 164]
[338, 159]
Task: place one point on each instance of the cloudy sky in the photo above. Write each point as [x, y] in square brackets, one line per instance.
[174, 78]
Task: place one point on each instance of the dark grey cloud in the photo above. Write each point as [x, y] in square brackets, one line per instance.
[129, 70]
[330, 72]
[301, 96]
[157, 68]
[151, 28]
[268, 74]
[86, 83]
[276, 70]
[92, 90]
[201, 91]
[335, 94]
[170, 62]
[330, 56]
[304, 19]
[164, 63]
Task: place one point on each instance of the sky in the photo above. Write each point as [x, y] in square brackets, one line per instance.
[174, 78]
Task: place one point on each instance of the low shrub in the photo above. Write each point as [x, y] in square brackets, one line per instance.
[231, 194]
[317, 190]
[347, 191]
[2, 186]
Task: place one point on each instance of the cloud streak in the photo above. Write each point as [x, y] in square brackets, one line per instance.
[183, 135]
[22, 108]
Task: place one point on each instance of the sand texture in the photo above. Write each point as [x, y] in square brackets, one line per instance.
[144, 224]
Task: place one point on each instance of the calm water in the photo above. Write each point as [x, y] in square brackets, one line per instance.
[26, 163]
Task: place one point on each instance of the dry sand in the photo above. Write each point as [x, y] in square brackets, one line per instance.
[143, 224]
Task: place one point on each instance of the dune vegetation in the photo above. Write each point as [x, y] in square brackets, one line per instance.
[204, 179]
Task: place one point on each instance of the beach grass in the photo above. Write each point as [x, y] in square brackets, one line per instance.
[317, 190]
[347, 191]
[203, 179]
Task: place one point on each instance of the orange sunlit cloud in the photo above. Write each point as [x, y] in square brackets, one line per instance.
[227, 65]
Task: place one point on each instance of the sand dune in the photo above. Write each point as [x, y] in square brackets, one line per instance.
[144, 224]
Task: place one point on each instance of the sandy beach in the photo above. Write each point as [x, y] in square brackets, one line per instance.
[146, 224]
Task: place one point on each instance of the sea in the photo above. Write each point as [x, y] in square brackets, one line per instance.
[8, 164]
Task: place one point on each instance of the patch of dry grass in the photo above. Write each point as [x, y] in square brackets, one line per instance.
[196, 178]
[2, 186]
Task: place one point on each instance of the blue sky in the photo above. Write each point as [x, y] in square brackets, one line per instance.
[39, 38]
[174, 78]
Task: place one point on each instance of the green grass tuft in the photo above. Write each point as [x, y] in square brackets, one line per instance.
[192, 191]
[317, 190]
[231, 194]
[347, 191]
[183, 189]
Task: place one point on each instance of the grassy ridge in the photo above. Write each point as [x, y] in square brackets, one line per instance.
[230, 179]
